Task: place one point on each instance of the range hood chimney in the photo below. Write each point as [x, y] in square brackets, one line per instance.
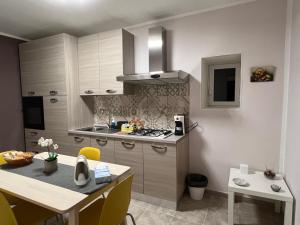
[157, 50]
[157, 46]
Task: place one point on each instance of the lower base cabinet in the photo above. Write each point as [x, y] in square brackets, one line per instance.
[71, 144]
[68, 144]
[160, 171]
[107, 148]
[130, 153]
[159, 168]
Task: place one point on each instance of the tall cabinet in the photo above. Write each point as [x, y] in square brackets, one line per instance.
[43, 66]
[101, 58]
[49, 68]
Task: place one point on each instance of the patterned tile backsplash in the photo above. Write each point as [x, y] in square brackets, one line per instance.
[155, 104]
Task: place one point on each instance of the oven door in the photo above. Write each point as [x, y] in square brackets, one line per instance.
[33, 112]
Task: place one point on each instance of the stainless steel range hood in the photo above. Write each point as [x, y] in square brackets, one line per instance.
[157, 63]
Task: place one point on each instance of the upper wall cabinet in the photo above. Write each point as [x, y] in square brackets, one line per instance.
[103, 57]
[43, 68]
[88, 64]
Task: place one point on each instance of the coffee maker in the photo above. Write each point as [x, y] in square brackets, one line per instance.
[179, 125]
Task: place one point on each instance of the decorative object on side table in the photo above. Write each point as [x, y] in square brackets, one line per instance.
[262, 74]
[241, 182]
[50, 164]
[275, 188]
[270, 174]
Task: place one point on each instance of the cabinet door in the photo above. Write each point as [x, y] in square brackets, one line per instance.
[111, 62]
[130, 153]
[55, 113]
[88, 61]
[160, 171]
[69, 144]
[107, 148]
[76, 142]
[32, 146]
[42, 65]
[34, 134]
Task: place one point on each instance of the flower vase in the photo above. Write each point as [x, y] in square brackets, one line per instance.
[50, 166]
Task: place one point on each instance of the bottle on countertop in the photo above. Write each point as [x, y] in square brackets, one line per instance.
[113, 123]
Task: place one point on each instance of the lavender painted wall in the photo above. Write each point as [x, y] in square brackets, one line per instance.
[11, 119]
[293, 122]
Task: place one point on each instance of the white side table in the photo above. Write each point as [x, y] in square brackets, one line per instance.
[259, 186]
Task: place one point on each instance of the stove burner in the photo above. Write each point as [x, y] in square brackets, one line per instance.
[150, 132]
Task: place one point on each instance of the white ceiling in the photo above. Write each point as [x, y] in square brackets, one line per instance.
[37, 18]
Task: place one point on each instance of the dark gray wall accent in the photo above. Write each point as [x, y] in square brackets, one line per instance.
[11, 118]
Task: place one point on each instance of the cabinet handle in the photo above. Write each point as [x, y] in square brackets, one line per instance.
[53, 92]
[33, 133]
[159, 149]
[31, 93]
[53, 100]
[110, 91]
[34, 143]
[78, 139]
[101, 142]
[89, 92]
[128, 144]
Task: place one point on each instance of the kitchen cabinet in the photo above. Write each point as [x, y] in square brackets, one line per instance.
[130, 153]
[116, 52]
[69, 144]
[32, 146]
[49, 68]
[42, 64]
[107, 147]
[88, 64]
[160, 170]
[73, 144]
[101, 58]
[55, 113]
[31, 140]
[34, 134]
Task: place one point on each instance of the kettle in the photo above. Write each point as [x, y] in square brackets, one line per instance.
[81, 173]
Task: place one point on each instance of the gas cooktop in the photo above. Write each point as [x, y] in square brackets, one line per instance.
[151, 132]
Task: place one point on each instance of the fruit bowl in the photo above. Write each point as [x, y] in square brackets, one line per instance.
[18, 158]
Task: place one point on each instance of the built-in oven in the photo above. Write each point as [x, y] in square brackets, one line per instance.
[33, 112]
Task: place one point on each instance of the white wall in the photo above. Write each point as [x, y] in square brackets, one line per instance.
[293, 122]
[228, 137]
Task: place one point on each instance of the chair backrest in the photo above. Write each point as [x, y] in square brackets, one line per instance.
[116, 204]
[91, 153]
[7, 216]
[2, 161]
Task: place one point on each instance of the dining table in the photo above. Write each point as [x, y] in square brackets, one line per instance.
[61, 200]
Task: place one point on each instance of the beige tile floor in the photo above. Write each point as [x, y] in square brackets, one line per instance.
[212, 210]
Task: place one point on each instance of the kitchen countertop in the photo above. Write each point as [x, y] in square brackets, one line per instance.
[169, 140]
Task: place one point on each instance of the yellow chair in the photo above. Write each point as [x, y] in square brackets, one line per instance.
[22, 214]
[112, 210]
[2, 161]
[91, 153]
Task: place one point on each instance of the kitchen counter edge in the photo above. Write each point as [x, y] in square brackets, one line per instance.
[169, 140]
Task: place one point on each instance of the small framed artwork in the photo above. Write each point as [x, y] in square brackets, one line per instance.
[262, 74]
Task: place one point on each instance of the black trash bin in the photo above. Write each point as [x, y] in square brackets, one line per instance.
[197, 184]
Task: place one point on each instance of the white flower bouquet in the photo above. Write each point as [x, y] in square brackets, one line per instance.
[52, 148]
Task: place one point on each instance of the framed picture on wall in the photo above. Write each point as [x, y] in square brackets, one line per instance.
[262, 74]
